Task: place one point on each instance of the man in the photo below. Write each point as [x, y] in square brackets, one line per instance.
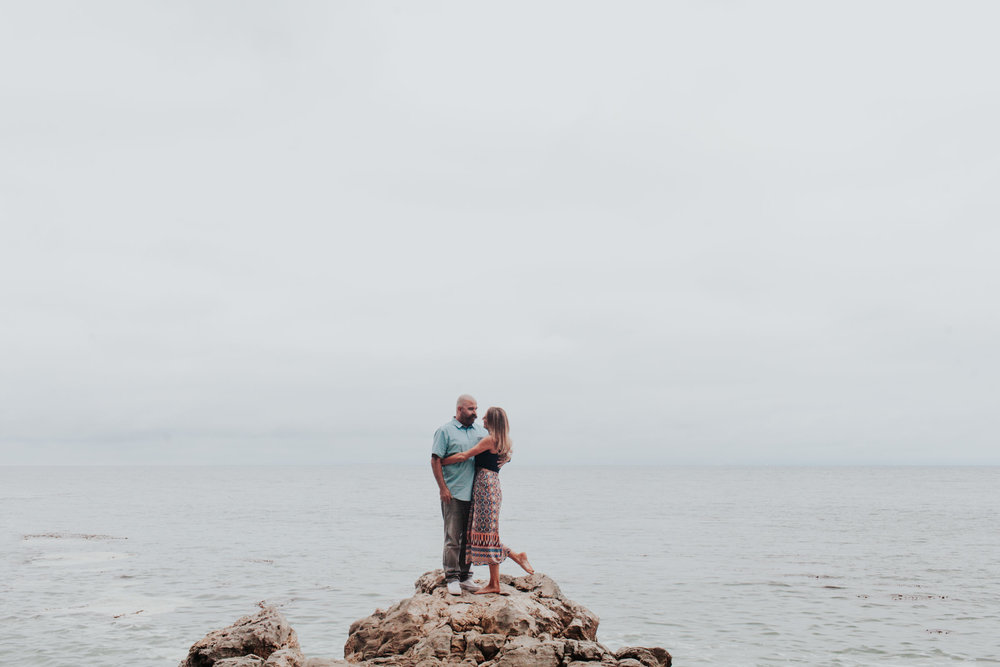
[455, 486]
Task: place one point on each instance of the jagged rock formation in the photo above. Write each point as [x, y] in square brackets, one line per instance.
[532, 624]
[265, 638]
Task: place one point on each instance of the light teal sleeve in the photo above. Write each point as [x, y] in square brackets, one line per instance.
[440, 447]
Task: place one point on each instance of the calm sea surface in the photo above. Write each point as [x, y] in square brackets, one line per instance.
[721, 566]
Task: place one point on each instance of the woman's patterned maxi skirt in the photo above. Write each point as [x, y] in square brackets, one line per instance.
[484, 545]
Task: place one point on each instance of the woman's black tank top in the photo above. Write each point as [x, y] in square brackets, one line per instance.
[488, 460]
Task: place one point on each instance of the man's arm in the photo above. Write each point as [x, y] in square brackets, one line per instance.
[439, 477]
[482, 446]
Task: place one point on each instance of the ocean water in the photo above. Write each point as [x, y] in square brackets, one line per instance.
[721, 566]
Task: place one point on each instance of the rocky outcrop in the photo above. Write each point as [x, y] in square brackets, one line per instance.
[265, 638]
[530, 624]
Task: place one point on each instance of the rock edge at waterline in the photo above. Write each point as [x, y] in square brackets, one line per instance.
[531, 624]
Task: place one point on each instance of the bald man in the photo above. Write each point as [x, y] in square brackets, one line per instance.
[455, 487]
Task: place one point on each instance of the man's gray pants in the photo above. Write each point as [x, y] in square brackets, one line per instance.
[456, 518]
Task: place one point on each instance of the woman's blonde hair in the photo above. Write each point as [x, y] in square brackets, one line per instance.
[495, 421]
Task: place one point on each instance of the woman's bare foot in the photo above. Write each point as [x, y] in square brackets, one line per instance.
[489, 588]
[522, 560]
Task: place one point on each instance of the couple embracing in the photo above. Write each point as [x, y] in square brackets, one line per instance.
[466, 460]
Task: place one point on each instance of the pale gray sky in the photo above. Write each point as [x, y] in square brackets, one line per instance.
[691, 232]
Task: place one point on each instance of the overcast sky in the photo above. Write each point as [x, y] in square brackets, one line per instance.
[693, 232]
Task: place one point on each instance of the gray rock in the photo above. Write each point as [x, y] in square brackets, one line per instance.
[245, 661]
[437, 644]
[647, 657]
[588, 651]
[286, 657]
[258, 635]
[526, 651]
[532, 624]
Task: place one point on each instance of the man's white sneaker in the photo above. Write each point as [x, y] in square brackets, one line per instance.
[469, 585]
[454, 588]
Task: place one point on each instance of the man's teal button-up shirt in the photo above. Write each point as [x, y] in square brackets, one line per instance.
[453, 438]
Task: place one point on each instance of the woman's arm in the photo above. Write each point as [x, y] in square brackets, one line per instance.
[483, 445]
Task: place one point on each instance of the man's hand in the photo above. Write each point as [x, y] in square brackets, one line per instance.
[445, 495]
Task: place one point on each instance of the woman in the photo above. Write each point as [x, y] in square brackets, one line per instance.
[485, 547]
